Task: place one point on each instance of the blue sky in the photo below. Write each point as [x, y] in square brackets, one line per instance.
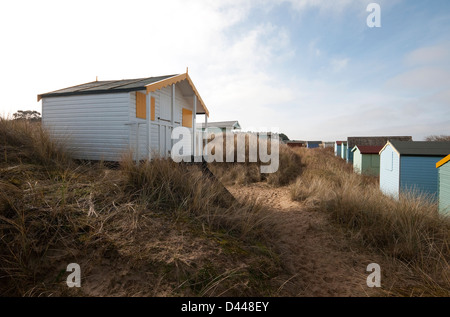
[311, 68]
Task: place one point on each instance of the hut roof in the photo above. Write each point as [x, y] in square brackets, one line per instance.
[421, 148]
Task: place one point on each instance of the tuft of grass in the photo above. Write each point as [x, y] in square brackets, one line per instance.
[409, 229]
[186, 192]
[289, 169]
[25, 141]
[248, 172]
[135, 230]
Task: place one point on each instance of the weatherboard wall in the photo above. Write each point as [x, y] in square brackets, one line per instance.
[419, 174]
[349, 155]
[312, 145]
[370, 164]
[104, 126]
[344, 151]
[92, 127]
[357, 162]
[367, 164]
[444, 188]
[338, 150]
[390, 171]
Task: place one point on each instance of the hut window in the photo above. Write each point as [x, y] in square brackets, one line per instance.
[141, 105]
[187, 118]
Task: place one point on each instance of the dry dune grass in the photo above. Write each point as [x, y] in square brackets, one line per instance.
[166, 229]
[186, 192]
[249, 172]
[156, 229]
[24, 141]
[409, 229]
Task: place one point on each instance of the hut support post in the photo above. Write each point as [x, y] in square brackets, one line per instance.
[194, 114]
[149, 97]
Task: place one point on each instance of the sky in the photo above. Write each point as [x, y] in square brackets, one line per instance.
[312, 69]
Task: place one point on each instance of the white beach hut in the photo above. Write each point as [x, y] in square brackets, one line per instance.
[102, 120]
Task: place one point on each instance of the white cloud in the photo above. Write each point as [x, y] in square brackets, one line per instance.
[52, 45]
[441, 98]
[313, 48]
[421, 79]
[232, 60]
[437, 54]
[338, 65]
[428, 70]
[335, 6]
[113, 41]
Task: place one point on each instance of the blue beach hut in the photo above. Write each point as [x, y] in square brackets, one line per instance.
[411, 166]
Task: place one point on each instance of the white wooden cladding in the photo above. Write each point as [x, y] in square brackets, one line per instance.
[105, 127]
[91, 126]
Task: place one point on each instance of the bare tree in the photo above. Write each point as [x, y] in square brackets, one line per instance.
[438, 138]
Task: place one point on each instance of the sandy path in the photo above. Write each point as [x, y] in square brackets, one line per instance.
[322, 261]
